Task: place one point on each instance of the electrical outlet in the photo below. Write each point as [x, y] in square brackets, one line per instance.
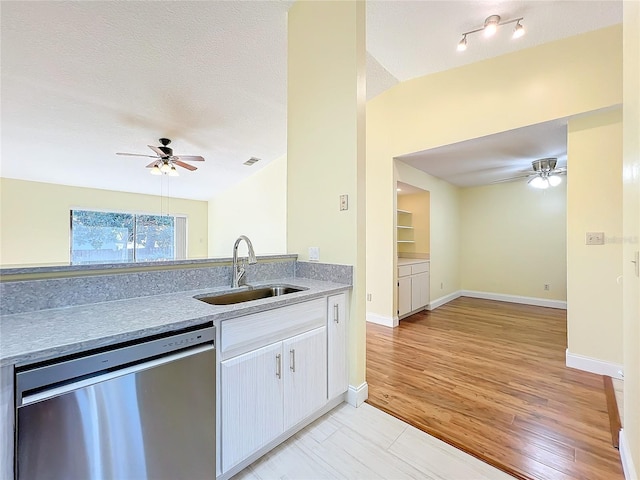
[594, 238]
[546, 286]
[314, 254]
[441, 285]
[368, 297]
[344, 202]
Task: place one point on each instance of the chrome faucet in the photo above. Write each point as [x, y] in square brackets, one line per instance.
[238, 270]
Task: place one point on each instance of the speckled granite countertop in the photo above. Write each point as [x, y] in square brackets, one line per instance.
[46, 334]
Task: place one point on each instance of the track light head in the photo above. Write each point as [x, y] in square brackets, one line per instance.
[491, 25]
[518, 31]
[462, 45]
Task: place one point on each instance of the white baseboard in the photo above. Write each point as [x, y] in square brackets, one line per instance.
[593, 365]
[438, 302]
[381, 320]
[502, 297]
[625, 457]
[357, 395]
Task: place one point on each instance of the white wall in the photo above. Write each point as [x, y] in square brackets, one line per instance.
[326, 146]
[513, 240]
[444, 230]
[511, 91]
[35, 218]
[594, 204]
[255, 207]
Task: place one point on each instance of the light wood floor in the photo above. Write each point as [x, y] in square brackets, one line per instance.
[366, 443]
[490, 377]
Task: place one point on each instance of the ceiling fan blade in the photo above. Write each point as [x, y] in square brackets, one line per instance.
[158, 151]
[136, 155]
[185, 165]
[152, 164]
[510, 179]
[189, 158]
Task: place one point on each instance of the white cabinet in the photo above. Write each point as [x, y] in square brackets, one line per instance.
[252, 413]
[404, 295]
[277, 369]
[304, 375]
[337, 370]
[268, 390]
[413, 287]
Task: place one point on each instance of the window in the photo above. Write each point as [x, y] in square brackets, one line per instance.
[110, 237]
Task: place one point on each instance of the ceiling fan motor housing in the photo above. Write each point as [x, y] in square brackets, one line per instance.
[544, 164]
[167, 151]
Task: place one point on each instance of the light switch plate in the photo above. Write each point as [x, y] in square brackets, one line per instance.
[594, 238]
[314, 254]
[344, 202]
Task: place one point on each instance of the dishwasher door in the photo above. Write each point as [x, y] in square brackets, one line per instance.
[151, 420]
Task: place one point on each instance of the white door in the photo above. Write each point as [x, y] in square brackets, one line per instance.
[419, 290]
[305, 373]
[404, 295]
[338, 373]
[251, 402]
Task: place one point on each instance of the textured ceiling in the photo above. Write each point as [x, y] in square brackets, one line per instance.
[83, 80]
[494, 157]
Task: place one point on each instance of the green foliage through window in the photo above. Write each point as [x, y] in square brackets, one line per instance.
[109, 237]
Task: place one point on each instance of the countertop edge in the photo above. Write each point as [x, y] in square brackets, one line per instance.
[216, 314]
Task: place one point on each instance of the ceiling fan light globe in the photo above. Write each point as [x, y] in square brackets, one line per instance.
[173, 172]
[539, 182]
[155, 171]
[554, 180]
[165, 168]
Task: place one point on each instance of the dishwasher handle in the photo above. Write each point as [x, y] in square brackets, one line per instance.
[119, 356]
[69, 387]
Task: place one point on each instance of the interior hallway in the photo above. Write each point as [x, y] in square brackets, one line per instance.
[490, 377]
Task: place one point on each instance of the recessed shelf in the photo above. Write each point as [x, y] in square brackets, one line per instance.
[403, 211]
[405, 226]
[406, 241]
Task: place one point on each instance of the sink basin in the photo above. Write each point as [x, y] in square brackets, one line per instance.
[248, 295]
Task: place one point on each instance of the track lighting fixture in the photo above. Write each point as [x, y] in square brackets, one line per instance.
[491, 24]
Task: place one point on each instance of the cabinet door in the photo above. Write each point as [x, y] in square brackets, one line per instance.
[404, 295]
[419, 291]
[251, 395]
[338, 373]
[305, 372]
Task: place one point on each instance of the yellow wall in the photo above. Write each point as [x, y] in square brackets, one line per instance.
[631, 178]
[418, 204]
[515, 90]
[326, 146]
[444, 247]
[255, 207]
[594, 204]
[34, 218]
[513, 240]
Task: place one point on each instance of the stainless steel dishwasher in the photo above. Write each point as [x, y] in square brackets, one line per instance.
[137, 411]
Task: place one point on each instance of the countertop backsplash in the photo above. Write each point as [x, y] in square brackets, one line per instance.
[32, 295]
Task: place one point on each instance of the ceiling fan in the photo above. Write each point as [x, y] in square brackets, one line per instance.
[544, 174]
[165, 161]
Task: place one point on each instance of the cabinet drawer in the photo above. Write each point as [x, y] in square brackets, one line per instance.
[419, 268]
[404, 270]
[243, 334]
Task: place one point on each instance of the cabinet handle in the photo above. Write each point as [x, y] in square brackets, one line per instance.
[336, 313]
[278, 366]
[293, 359]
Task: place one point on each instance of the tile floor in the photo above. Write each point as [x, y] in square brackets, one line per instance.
[366, 443]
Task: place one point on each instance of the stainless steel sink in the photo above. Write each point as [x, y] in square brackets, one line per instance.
[248, 295]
